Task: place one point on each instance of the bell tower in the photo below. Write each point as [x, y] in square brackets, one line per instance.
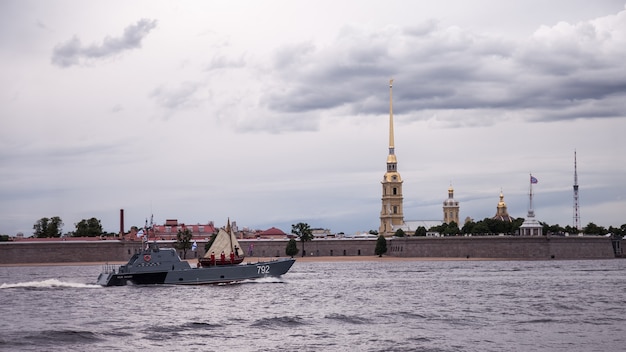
[391, 214]
[451, 208]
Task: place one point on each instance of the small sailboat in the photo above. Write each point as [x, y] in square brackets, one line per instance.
[225, 250]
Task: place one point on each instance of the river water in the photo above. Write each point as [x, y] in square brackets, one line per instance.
[326, 306]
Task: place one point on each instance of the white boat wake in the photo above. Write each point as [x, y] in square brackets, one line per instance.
[49, 283]
[269, 279]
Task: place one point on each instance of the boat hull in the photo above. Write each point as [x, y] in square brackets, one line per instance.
[199, 276]
[207, 262]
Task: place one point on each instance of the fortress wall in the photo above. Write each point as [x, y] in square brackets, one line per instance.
[586, 247]
[62, 251]
[332, 247]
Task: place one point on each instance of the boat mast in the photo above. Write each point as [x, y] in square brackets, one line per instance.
[230, 236]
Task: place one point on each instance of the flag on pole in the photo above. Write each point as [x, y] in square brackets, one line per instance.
[140, 233]
[533, 179]
[194, 246]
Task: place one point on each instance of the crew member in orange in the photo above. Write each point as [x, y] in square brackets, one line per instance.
[223, 257]
[232, 258]
[212, 258]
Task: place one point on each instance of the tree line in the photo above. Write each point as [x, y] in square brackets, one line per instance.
[490, 226]
[303, 232]
[52, 227]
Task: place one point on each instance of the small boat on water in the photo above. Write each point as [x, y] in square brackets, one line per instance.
[155, 265]
[225, 250]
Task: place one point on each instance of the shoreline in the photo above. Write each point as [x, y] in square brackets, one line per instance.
[311, 259]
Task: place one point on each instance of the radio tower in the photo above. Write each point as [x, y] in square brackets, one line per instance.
[576, 211]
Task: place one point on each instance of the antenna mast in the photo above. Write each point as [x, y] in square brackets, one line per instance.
[576, 210]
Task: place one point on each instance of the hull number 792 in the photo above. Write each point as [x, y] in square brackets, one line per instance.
[263, 269]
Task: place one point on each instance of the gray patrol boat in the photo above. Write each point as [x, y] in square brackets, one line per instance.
[155, 265]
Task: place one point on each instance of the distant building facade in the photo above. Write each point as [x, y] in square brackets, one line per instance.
[410, 226]
[169, 230]
[172, 226]
[319, 232]
[450, 208]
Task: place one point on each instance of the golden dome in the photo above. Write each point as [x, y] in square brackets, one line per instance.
[501, 203]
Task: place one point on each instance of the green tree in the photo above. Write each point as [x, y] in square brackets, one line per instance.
[41, 227]
[452, 229]
[399, 233]
[570, 230]
[303, 232]
[440, 228]
[480, 228]
[381, 246]
[88, 228]
[292, 248]
[468, 227]
[593, 229]
[183, 240]
[48, 228]
[618, 232]
[517, 223]
[420, 231]
[553, 230]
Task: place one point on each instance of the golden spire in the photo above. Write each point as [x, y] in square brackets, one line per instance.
[391, 144]
[391, 158]
[501, 203]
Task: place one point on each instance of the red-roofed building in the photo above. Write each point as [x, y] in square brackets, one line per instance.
[272, 232]
[169, 230]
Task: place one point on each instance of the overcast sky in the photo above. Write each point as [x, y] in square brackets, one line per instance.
[276, 112]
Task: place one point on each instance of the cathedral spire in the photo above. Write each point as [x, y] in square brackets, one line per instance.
[391, 214]
[391, 144]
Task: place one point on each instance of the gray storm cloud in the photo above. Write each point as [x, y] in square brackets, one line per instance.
[578, 67]
[73, 52]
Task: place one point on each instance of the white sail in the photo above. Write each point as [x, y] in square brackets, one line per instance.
[227, 243]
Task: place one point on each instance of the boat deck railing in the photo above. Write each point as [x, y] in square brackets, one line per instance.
[110, 268]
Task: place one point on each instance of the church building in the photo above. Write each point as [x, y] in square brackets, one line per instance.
[502, 213]
[391, 214]
[451, 208]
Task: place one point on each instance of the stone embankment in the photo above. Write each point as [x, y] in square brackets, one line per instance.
[501, 247]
